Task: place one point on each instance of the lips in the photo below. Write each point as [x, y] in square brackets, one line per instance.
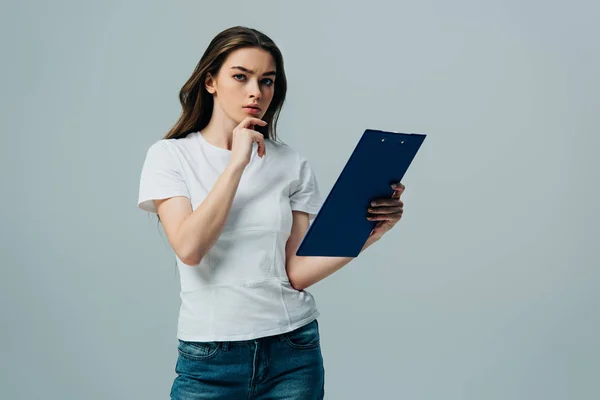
[253, 106]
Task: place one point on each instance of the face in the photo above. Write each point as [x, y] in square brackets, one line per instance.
[246, 78]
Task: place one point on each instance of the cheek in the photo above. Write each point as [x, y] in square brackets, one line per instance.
[268, 94]
[229, 90]
[230, 97]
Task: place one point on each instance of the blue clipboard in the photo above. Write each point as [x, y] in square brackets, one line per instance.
[341, 227]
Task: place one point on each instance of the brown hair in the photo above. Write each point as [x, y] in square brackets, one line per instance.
[197, 103]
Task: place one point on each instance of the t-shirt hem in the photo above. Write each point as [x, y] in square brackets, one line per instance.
[250, 336]
[307, 208]
[147, 203]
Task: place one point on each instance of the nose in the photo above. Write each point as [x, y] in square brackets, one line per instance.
[254, 90]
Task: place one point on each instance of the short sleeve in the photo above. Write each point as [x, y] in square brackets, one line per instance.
[304, 192]
[161, 177]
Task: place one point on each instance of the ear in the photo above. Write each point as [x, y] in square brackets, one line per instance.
[210, 83]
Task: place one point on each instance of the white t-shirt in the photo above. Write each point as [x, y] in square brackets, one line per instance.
[240, 289]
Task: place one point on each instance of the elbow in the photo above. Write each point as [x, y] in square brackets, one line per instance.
[294, 274]
[297, 283]
[190, 258]
[190, 253]
[190, 261]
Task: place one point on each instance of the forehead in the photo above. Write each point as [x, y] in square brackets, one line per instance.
[252, 58]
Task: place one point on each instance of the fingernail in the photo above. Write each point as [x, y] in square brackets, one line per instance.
[373, 203]
[395, 185]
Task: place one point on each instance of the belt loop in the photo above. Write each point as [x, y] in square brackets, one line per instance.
[225, 346]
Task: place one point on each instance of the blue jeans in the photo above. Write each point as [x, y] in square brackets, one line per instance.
[285, 366]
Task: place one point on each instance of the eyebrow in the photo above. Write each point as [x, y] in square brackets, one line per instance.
[273, 73]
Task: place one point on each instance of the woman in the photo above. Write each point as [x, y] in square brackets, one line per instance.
[235, 204]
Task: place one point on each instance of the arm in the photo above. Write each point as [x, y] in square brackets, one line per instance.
[306, 271]
[192, 234]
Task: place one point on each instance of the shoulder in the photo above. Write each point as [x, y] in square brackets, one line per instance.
[284, 151]
[161, 145]
[168, 147]
[277, 146]
[164, 153]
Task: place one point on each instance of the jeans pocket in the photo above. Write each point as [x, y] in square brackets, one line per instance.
[198, 350]
[305, 337]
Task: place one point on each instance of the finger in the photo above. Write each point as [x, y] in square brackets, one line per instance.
[387, 210]
[260, 139]
[386, 217]
[398, 188]
[249, 122]
[252, 121]
[387, 202]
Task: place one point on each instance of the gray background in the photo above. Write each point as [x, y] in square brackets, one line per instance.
[488, 287]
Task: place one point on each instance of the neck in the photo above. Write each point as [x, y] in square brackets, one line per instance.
[219, 130]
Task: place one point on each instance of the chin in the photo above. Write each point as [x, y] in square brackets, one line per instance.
[245, 115]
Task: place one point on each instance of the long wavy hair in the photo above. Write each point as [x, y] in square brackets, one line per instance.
[197, 104]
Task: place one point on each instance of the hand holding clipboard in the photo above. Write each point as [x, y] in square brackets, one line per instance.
[340, 228]
[386, 211]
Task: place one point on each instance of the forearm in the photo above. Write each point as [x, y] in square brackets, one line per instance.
[306, 271]
[199, 232]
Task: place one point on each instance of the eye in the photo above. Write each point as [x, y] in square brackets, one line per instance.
[270, 81]
[242, 75]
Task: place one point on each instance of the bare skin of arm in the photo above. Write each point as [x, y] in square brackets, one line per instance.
[191, 234]
[306, 271]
